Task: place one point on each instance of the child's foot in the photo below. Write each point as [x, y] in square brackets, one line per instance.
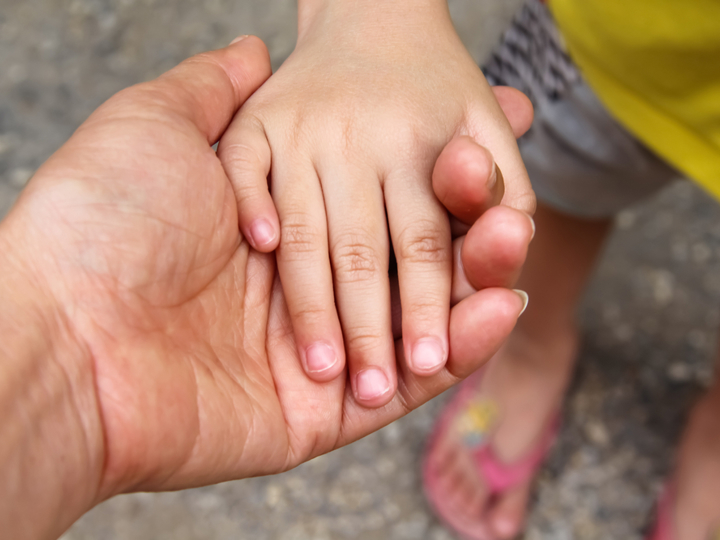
[693, 511]
[513, 407]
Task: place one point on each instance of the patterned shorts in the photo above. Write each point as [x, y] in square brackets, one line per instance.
[581, 161]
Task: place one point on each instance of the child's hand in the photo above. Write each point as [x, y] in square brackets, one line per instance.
[348, 128]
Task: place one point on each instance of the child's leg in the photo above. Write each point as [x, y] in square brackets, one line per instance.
[696, 511]
[528, 377]
[582, 163]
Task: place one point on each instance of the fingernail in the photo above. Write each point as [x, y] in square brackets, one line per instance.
[262, 233]
[493, 176]
[532, 222]
[525, 298]
[428, 354]
[319, 357]
[371, 383]
[238, 39]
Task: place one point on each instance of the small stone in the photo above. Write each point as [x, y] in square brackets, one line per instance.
[273, 495]
[697, 339]
[391, 510]
[705, 376]
[374, 521]
[663, 285]
[679, 251]
[392, 434]
[17, 73]
[679, 372]
[711, 281]
[624, 333]
[701, 253]
[611, 312]
[108, 21]
[385, 467]
[597, 433]
[209, 501]
[414, 527]
[4, 143]
[626, 219]
[19, 177]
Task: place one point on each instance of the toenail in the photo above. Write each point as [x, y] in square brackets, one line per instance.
[504, 526]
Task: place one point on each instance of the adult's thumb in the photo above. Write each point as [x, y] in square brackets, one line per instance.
[206, 89]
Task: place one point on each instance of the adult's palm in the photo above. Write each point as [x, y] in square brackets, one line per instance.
[196, 374]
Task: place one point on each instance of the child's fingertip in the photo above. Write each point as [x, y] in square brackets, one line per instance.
[262, 234]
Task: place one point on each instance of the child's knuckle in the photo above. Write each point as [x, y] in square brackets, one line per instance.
[423, 244]
[299, 239]
[356, 260]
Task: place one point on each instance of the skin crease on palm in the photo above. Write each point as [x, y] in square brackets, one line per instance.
[150, 347]
[349, 129]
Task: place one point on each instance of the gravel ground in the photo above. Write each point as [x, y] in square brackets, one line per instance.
[649, 318]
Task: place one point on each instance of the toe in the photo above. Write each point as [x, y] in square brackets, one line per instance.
[444, 454]
[457, 492]
[507, 515]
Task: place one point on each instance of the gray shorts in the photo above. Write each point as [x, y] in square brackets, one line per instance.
[580, 160]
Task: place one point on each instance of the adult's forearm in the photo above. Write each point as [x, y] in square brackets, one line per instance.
[50, 435]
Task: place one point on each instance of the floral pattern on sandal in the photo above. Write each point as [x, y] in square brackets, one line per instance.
[476, 422]
[474, 418]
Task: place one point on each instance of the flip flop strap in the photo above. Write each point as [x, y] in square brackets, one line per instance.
[501, 476]
[664, 526]
[475, 420]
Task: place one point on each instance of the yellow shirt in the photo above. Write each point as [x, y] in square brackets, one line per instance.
[655, 64]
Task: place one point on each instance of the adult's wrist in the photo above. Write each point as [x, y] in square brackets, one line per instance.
[51, 444]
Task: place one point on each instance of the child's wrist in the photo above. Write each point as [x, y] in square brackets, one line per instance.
[375, 18]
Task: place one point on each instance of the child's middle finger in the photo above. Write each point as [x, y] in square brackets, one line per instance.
[359, 252]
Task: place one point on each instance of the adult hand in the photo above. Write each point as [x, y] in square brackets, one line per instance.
[349, 127]
[145, 345]
[466, 180]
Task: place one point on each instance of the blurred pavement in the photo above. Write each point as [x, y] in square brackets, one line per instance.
[649, 318]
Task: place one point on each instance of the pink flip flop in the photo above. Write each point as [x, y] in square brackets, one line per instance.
[474, 417]
[664, 527]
